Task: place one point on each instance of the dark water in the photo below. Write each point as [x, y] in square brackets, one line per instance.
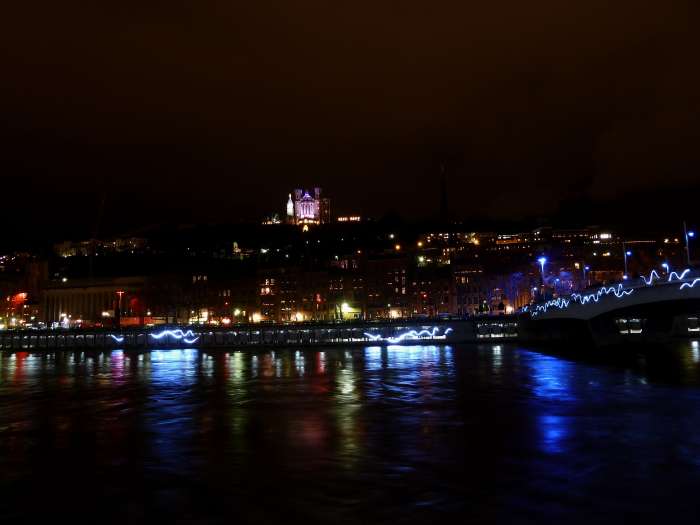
[401, 435]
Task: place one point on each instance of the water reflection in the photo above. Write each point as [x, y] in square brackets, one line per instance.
[552, 378]
[415, 433]
[554, 431]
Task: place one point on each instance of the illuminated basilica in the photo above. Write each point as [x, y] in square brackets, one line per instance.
[306, 208]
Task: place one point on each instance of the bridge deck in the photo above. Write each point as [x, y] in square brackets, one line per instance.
[433, 332]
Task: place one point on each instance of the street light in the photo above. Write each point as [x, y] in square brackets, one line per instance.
[542, 261]
[118, 314]
[688, 235]
[626, 253]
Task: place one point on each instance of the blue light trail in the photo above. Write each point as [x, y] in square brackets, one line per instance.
[678, 277]
[188, 337]
[563, 302]
[412, 335]
[690, 285]
[655, 276]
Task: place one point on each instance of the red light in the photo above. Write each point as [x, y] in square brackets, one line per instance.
[18, 298]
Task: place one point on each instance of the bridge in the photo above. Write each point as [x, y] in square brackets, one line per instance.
[403, 332]
[655, 308]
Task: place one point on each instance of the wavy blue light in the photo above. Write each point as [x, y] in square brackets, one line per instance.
[563, 302]
[690, 285]
[678, 277]
[177, 334]
[412, 335]
[618, 291]
[188, 336]
[655, 276]
[117, 339]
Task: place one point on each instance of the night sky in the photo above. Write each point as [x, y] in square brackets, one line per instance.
[181, 111]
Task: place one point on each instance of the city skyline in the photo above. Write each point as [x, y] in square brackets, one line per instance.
[303, 270]
[101, 217]
[357, 262]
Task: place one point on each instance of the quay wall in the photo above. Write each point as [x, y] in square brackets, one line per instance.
[662, 324]
[366, 334]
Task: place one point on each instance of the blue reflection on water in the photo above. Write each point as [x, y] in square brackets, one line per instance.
[554, 432]
[374, 360]
[171, 403]
[174, 366]
[407, 373]
[552, 377]
[406, 357]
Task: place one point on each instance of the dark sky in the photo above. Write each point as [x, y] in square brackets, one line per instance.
[184, 111]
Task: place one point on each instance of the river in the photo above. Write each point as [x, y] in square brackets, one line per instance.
[418, 434]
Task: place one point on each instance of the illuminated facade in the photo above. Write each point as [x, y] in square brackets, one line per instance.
[305, 207]
[86, 302]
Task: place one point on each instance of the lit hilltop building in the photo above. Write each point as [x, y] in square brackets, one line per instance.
[304, 208]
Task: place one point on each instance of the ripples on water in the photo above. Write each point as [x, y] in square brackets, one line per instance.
[492, 433]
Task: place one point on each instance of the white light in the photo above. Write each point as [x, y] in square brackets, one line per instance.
[188, 337]
[690, 285]
[562, 302]
[679, 277]
[653, 275]
[412, 335]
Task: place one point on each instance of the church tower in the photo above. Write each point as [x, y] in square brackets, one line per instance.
[290, 210]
